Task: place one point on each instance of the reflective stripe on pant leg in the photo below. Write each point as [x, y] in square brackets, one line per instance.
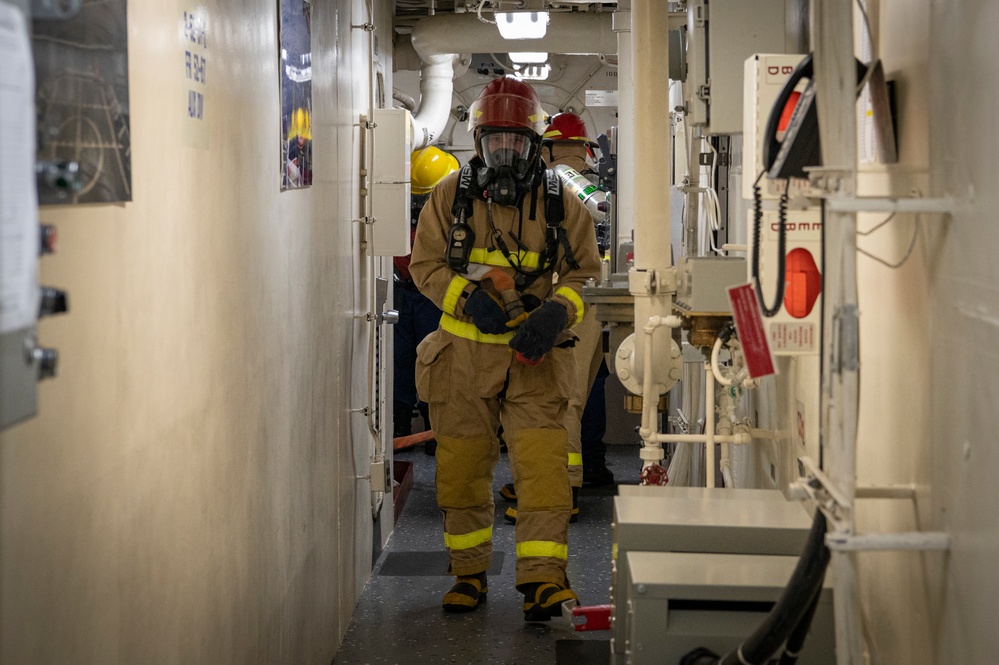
[587, 350]
[464, 494]
[544, 503]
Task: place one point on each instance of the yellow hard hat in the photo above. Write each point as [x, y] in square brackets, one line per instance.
[301, 124]
[428, 167]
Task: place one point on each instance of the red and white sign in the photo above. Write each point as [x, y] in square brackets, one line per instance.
[752, 333]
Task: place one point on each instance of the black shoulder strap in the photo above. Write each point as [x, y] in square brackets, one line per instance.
[554, 208]
[555, 214]
[462, 206]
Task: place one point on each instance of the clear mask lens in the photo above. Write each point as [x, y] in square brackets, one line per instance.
[504, 149]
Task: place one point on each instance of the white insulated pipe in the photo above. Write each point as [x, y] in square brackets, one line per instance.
[651, 158]
[626, 128]
[438, 39]
[652, 450]
[709, 426]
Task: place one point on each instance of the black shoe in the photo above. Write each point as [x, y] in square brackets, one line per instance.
[597, 475]
[466, 594]
[508, 492]
[543, 601]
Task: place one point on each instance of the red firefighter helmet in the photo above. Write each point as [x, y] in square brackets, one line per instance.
[566, 127]
[507, 102]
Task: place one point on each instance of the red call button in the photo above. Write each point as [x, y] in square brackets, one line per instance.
[803, 283]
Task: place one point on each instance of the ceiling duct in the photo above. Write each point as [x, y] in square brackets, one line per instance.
[438, 39]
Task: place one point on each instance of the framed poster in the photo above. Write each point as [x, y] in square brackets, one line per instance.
[81, 71]
[296, 93]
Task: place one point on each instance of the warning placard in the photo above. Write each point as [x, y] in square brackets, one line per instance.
[752, 334]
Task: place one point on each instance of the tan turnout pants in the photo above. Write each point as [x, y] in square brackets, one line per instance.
[461, 380]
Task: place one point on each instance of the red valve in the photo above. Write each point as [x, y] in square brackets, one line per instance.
[597, 617]
[653, 475]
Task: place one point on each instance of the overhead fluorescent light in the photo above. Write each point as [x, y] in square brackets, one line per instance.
[534, 72]
[528, 56]
[522, 25]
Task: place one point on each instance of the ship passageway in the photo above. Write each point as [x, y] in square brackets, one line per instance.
[399, 619]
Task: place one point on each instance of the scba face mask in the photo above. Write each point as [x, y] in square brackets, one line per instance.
[509, 157]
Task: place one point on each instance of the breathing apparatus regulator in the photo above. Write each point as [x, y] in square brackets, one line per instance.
[507, 120]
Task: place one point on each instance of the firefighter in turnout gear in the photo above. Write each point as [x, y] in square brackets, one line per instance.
[504, 252]
[565, 142]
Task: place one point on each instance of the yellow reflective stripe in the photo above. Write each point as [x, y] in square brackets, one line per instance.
[468, 540]
[574, 298]
[469, 331]
[496, 258]
[614, 552]
[542, 548]
[454, 289]
[575, 459]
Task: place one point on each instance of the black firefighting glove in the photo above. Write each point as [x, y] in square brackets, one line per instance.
[487, 312]
[536, 336]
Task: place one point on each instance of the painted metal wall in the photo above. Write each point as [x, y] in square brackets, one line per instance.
[927, 387]
[189, 492]
[963, 310]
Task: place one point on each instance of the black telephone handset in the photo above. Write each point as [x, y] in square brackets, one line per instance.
[800, 147]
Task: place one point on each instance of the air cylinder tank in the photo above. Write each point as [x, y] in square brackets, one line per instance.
[592, 196]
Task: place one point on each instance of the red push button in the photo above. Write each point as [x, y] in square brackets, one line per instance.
[803, 283]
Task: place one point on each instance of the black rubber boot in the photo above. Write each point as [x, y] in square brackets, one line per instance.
[508, 492]
[543, 600]
[466, 594]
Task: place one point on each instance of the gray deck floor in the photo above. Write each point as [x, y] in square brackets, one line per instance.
[399, 620]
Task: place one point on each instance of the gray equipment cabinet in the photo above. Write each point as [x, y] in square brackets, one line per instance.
[692, 519]
[682, 600]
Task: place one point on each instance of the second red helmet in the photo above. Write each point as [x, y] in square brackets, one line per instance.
[566, 127]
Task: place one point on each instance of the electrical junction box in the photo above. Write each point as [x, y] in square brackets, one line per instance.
[764, 78]
[393, 143]
[680, 601]
[701, 520]
[721, 34]
[703, 282]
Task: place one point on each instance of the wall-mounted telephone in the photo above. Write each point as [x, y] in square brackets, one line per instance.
[800, 146]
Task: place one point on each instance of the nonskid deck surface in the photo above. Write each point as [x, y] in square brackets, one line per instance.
[399, 619]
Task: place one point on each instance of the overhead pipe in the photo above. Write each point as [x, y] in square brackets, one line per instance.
[440, 38]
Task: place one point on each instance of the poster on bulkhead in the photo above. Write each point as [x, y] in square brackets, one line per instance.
[296, 93]
[81, 71]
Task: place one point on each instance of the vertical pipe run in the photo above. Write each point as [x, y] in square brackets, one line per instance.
[709, 424]
[835, 79]
[652, 155]
[625, 200]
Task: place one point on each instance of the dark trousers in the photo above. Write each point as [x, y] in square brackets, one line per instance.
[418, 317]
[594, 421]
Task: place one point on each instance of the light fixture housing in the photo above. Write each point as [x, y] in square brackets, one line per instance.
[534, 72]
[522, 25]
[528, 57]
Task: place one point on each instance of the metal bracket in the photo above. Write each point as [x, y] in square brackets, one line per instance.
[817, 486]
[887, 542]
[846, 357]
[940, 206]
